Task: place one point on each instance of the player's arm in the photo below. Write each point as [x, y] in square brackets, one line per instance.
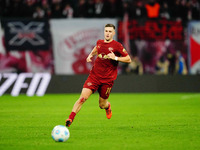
[93, 53]
[126, 59]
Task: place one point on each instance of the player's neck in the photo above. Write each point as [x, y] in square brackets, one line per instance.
[108, 41]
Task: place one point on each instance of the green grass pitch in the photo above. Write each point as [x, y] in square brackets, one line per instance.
[139, 122]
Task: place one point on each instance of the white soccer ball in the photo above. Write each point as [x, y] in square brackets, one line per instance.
[60, 133]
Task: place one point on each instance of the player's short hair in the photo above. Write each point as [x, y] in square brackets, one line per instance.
[110, 25]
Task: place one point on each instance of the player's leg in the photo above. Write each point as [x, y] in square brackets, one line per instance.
[104, 92]
[85, 94]
[104, 104]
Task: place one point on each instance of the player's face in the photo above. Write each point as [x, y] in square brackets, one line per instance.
[109, 32]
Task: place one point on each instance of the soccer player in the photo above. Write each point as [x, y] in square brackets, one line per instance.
[103, 72]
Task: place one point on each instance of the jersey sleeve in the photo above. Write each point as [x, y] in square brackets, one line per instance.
[122, 50]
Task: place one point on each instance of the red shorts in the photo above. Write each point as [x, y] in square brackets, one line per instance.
[104, 88]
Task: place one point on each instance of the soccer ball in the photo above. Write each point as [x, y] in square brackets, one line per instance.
[60, 133]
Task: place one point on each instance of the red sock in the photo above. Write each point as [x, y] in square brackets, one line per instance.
[72, 115]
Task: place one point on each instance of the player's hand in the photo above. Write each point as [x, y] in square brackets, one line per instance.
[111, 55]
[89, 58]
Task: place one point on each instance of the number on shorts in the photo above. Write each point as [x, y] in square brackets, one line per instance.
[108, 91]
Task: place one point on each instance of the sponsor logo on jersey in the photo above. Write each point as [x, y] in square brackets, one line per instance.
[103, 56]
[100, 55]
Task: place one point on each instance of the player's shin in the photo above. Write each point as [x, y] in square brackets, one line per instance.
[76, 108]
[78, 104]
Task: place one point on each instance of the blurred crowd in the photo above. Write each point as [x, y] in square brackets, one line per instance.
[177, 10]
[151, 9]
[165, 65]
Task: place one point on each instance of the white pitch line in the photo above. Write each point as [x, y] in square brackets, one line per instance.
[190, 96]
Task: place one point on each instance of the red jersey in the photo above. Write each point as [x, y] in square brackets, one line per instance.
[106, 69]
